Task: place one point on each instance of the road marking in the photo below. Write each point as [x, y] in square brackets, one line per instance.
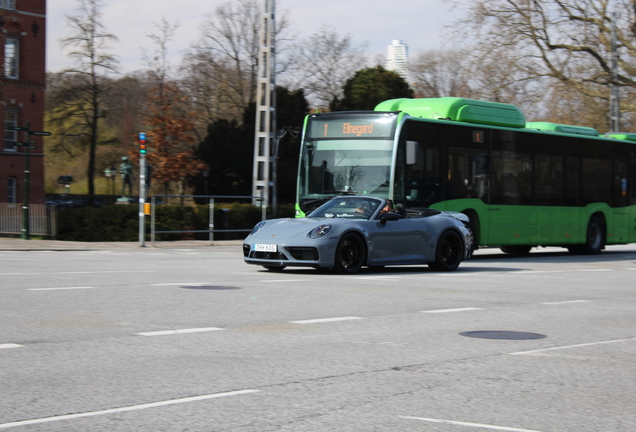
[538, 271]
[81, 272]
[284, 280]
[59, 288]
[181, 283]
[376, 277]
[323, 320]
[182, 331]
[532, 352]
[451, 310]
[125, 409]
[593, 270]
[565, 302]
[476, 425]
[10, 345]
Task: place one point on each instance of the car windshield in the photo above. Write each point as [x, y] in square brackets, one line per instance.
[348, 207]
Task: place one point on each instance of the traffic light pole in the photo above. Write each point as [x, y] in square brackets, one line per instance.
[142, 189]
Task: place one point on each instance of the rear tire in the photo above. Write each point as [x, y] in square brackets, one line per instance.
[448, 253]
[594, 238]
[350, 254]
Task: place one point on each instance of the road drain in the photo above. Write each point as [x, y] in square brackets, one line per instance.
[209, 287]
[499, 334]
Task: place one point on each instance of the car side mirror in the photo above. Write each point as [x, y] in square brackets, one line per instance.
[391, 216]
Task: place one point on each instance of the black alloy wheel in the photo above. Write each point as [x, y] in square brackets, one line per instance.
[350, 254]
[449, 252]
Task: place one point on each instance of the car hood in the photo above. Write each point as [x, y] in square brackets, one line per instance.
[279, 230]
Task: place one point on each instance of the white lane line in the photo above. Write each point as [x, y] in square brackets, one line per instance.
[284, 280]
[324, 320]
[593, 270]
[565, 302]
[9, 345]
[180, 283]
[451, 310]
[537, 271]
[475, 425]
[375, 277]
[59, 288]
[80, 272]
[125, 409]
[181, 331]
[532, 352]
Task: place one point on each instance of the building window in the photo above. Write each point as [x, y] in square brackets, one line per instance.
[11, 57]
[10, 136]
[7, 4]
[12, 190]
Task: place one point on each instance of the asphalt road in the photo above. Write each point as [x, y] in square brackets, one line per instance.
[193, 339]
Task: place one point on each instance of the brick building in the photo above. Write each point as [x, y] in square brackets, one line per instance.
[22, 85]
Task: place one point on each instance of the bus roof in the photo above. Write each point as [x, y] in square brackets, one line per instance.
[458, 109]
[555, 127]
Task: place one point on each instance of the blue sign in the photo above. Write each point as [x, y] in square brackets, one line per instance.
[142, 135]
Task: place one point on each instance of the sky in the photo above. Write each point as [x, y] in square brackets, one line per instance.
[418, 23]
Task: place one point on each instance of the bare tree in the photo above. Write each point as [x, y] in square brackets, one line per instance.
[438, 73]
[83, 101]
[325, 61]
[157, 62]
[565, 40]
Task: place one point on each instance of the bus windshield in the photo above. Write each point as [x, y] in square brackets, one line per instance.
[346, 154]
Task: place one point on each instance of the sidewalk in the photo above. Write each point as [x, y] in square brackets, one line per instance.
[13, 244]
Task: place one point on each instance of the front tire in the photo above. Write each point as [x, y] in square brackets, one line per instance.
[350, 254]
[448, 253]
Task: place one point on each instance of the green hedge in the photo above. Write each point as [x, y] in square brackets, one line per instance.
[121, 222]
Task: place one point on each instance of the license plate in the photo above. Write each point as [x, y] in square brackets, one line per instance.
[265, 247]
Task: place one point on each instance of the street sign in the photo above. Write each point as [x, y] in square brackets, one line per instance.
[18, 128]
[26, 144]
[40, 133]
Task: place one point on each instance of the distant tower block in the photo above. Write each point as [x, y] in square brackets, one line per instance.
[397, 59]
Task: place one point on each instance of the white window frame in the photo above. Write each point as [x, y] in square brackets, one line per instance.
[12, 190]
[12, 63]
[10, 136]
[7, 4]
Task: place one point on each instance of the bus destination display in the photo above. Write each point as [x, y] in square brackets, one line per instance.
[352, 128]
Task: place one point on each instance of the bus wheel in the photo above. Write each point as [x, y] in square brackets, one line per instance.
[516, 249]
[473, 226]
[595, 238]
[449, 252]
[350, 254]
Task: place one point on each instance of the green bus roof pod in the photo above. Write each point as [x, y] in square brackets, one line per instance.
[622, 136]
[555, 127]
[458, 109]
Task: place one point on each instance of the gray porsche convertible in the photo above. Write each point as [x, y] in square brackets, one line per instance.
[349, 232]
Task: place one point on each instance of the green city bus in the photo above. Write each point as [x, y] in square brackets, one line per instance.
[521, 184]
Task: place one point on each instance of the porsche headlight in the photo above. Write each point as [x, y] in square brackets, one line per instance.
[319, 231]
[257, 227]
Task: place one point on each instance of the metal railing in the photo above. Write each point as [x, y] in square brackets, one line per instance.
[42, 219]
[210, 230]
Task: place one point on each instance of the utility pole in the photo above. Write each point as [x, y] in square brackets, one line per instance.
[28, 145]
[615, 113]
[264, 175]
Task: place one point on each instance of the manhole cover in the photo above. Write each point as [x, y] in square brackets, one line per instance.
[499, 334]
[208, 287]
